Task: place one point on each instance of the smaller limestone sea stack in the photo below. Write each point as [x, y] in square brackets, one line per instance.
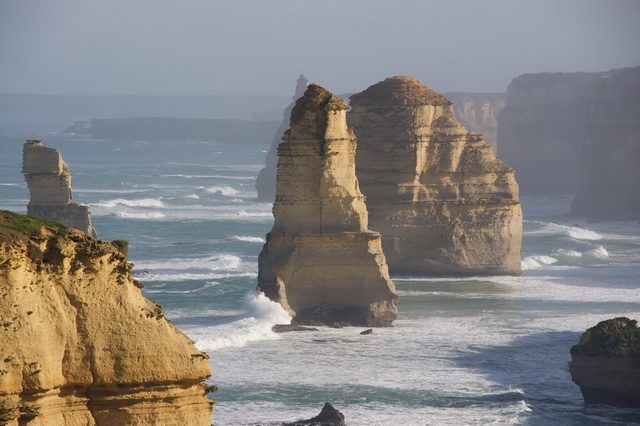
[49, 182]
[606, 363]
[320, 262]
[445, 205]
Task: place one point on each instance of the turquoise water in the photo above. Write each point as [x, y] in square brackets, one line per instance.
[490, 350]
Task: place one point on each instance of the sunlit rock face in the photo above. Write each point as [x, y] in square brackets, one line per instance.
[49, 182]
[320, 262]
[541, 131]
[79, 344]
[611, 153]
[479, 112]
[444, 204]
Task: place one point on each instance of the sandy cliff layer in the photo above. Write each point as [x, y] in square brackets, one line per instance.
[49, 182]
[79, 344]
[611, 152]
[445, 205]
[320, 261]
[479, 112]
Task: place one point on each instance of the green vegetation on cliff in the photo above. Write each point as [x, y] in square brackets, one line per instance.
[615, 337]
[29, 226]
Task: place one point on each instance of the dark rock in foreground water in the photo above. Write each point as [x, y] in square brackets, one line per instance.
[329, 416]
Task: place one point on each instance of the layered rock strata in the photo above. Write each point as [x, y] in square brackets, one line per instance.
[79, 344]
[606, 363]
[542, 128]
[479, 112]
[611, 151]
[320, 262]
[49, 182]
[266, 180]
[445, 205]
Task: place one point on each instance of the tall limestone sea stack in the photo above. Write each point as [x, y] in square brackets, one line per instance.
[49, 182]
[320, 262]
[445, 205]
[79, 344]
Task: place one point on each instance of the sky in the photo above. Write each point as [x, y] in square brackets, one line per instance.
[260, 47]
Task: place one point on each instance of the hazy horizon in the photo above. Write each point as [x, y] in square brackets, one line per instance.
[252, 47]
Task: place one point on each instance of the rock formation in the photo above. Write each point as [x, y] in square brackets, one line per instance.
[478, 112]
[329, 416]
[320, 261]
[606, 363]
[445, 205]
[49, 183]
[541, 131]
[266, 180]
[79, 344]
[611, 152]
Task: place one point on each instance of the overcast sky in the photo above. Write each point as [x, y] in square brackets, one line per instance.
[241, 47]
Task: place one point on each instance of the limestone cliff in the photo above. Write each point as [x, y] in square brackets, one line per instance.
[445, 205]
[606, 363]
[541, 130]
[79, 344]
[611, 151]
[320, 261]
[49, 182]
[266, 180]
[478, 112]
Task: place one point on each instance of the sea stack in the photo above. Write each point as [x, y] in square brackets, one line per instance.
[611, 152]
[79, 344]
[445, 205]
[606, 363]
[320, 261]
[49, 182]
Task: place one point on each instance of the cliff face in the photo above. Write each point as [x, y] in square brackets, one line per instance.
[79, 344]
[611, 152]
[320, 261]
[49, 182]
[541, 130]
[478, 113]
[445, 205]
[606, 363]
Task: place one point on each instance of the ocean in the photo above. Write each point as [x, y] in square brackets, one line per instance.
[472, 351]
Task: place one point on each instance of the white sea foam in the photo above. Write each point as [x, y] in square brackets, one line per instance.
[140, 215]
[575, 232]
[260, 315]
[224, 190]
[143, 202]
[180, 176]
[583, 234]
[599, 253]
[247, 239]
[193, 290]
[224, 265]
[537, 261]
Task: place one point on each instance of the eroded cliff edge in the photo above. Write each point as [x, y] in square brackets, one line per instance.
[79, 344]
[320, 262]
[444, 204]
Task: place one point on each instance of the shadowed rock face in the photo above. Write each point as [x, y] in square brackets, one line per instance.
[79, 344]
[611, 152]
[606, 363]
[320, 261]
[445, 205]
[49, 182]
[479, 112]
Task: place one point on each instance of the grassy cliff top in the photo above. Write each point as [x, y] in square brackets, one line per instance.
[14, 224]
[615, 337]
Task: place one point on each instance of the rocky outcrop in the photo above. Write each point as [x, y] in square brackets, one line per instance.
[606, 363]
[478, 113]
[320, 262]
[611, 152]
[541, 130]
[266, 180]
[49, 182]
[329, 416]
[445, 205]
[79, 344]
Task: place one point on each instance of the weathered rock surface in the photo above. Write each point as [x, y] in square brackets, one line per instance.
[79, 344]
[329, 416]
[445, 205]
[478, 113]
[606, 363]
[266, 180]
[541, 130]
[611, 152]
[49, 182]
[320, 262]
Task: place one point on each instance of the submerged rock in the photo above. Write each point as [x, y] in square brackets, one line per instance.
[328, 416]
[606, 363]
[320, 262]
[49, 182]
[79, 344]
[445, 205]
